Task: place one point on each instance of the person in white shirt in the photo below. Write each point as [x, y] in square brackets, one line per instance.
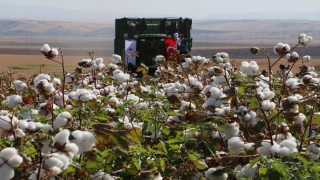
[178, 40]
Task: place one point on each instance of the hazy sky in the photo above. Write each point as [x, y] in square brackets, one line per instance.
[184, 8]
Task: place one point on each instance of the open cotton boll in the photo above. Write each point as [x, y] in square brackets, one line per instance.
[41, 77]
[249, 146]
[62, 137]
[45, 48]
[115, 59]
[56, 81]
[84, 140]
[19, 85]
[281, 49]
[58, 99]
[265, 148]
[55, 51]
[216, 92]
[50, 162]
[208, 174]
[6, 125]
[249, 172]
[62, 119]
[8, 153]
[14, 101]
[304, 39]
[306, 58]
[232, 130]
[6, 172]
[185, 105]
[101, 176]
[64, 159]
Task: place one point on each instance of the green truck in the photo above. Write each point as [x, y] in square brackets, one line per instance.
[148, 34]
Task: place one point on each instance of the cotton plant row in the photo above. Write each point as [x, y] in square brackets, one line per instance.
[209, 100]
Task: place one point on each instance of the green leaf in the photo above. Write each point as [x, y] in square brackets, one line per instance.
[220, 172]
[316, 118]
[120, 141]
[211, 148]
[136, 163]
[166, 131]
[316, 168]
[281, 168]
[263, 170]
[162, 164]
[199, 164]
[254, 161]
[259, 126]
[171, 141]
[254, 103]
[164, 147]
[303, 160]
[91, 164]
[274, 175]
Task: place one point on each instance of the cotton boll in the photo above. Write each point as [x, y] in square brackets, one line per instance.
[8, 153]
[314, 156]
[6, 172]
[275, 149]
[71, 149]
[265, 148]
[115, 59]
[55, 51]
[249, 172]
[208, 174]
[64, 159]
[62, 137]
[52, 161]
[62, 119]
[84, 140]
[306, 58]
[249, 146]
[14, 101]
[232, 130]
[45, 48]
[101, 176]
[215, 92]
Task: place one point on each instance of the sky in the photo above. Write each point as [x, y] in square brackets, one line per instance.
[178, 8]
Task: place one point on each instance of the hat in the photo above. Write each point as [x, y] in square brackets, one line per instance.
[176, 35]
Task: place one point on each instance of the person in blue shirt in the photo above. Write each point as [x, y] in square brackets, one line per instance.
[183, 45]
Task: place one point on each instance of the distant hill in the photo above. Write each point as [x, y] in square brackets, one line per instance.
[202, 30]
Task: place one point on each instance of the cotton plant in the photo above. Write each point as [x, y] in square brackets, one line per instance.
[116, 59]
[53, 165]
[9, 125]
[249, 68]
[62, 119]
[98, 64]
[208, 174]
[84, 140]
[62, 144]
[14, 101]
[222, 60]
[235, 145]
[9, 160]
[29, 126]
[44, 85]
[48, 52]
[232, 130]
[304, 40]
[82, 95]
[101, 176]
[281, 49]
[19, 85]
[120, 76]
[247, 172]
[314, 151]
